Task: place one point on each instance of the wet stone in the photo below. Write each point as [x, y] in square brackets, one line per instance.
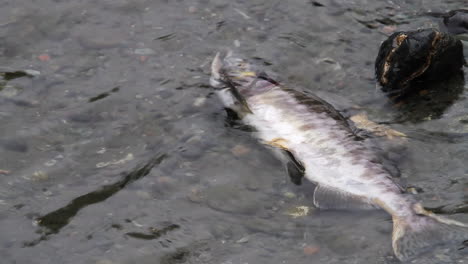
[273, 228]
[164, 94]
[226, 198]
[311, 250]
[240, 150]
[39, 176]
[409, 58]
[195, 147]
[221, 230]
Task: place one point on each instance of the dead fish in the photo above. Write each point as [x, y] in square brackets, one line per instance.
[320, 145]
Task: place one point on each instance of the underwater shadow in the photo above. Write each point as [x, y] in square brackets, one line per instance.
[54, 221]
[428, 100]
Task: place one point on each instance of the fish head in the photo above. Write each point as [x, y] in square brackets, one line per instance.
[232, 69]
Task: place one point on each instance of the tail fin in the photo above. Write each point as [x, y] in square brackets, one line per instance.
[424, 231]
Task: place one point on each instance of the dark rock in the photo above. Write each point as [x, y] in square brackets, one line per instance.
[407, 59]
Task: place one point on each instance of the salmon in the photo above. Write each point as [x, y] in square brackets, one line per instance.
[321, 145]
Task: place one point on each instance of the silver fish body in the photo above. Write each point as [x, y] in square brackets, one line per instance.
[321, 140]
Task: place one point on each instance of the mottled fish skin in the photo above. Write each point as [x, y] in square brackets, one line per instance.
[319, 138]
[323, 142]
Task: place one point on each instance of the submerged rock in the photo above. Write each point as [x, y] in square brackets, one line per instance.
[407, 59]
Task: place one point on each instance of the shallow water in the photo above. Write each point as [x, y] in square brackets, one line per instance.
[114, 149]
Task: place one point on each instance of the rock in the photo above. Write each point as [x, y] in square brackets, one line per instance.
[409, 58]
[229, 199]
[289, 195]
[240, 150]
[311, 250]
[199, 101]
[40, 176]
[196, 195]
[298, 211]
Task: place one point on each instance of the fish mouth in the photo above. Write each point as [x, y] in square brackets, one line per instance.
[216, 79]
[229, 67]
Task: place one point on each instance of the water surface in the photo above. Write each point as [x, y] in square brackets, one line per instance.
[115, 150]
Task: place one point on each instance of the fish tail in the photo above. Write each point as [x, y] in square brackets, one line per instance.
[423, 231]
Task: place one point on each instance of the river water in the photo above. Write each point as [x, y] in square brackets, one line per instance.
[114, 149]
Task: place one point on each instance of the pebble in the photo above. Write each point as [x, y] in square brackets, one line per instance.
[164, 180]
[289, 195]
[32, 72]
[298, 211]
[44, 57]
[389, 29]
[311, 250]
[40, 176]
[225, 198]
[243, 240]
[50, 163]
[9, 91]
[143, 195]
[195, 195]
[129, 157]
[144, 51]
[101, 151]
[199, 101]
[240, 150]
[192, 9]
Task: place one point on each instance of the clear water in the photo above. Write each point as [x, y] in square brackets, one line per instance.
[116, 150]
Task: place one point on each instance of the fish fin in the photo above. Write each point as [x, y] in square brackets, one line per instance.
[362, 122]
[241, 102]
[423, 232]
[331, 198]
[294, 168]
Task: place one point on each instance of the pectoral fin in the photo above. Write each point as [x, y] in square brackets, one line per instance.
[294, 168]
[331, 198]
[362, 122]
